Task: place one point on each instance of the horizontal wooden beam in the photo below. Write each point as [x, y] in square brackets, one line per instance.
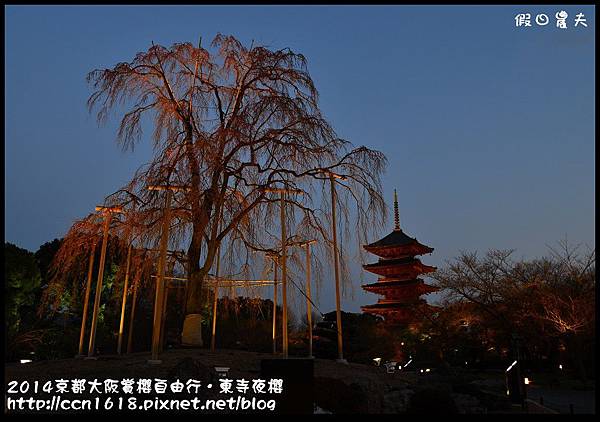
[182, 285]
[109, 209]
[244, 284]
[170, 252]
[171, 278]
[212, 282]
[174, 188]
[303, 243]
[335, 175]
[224, 280]
[280, 190]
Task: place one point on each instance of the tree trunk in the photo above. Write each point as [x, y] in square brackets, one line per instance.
[195, 300]
[201, 215]
[192, 324]
[191, 334]
[577, 341]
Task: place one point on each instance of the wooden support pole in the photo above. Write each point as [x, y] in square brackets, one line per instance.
[284, 276]
[131, 319]
[308, 304]
[213, 337]
[86, 299]
[124, 300]
[163, 317]
[215, 303]
[180, 297]
[283, 192]
[275, 268]
[92, 343]
[160, 291]
[336, 269]
[167, 285]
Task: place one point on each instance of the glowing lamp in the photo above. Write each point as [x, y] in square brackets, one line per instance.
[511, 366]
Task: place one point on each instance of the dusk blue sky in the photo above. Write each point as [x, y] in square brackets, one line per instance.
[488, 128]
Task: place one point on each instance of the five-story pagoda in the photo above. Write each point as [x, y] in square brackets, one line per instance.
[399, 281]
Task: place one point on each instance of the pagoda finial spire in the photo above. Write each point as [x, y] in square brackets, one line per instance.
[396, 213]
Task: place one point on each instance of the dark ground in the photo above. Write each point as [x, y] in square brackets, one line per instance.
[339, 388]
[561, 400]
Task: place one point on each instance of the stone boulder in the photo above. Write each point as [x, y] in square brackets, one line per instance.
[189, 368]
[432, 401]
[396, 401]
[467, 403]
[338, 397]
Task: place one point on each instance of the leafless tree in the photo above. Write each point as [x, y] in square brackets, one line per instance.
[554, 294]
[568, 295]
[230, 124]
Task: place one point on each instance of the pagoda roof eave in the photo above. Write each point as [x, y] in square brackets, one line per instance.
[396, 238]
[390, 306]
[393, 284]
[395, 264]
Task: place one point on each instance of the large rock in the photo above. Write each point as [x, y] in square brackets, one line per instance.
[396, 401]
[467, 403]
[189, 368]
[192, 331]
[433, 401]
[338, 397]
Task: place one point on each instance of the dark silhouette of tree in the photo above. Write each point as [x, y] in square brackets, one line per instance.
[551, 297]
[21, 285]
[44, 256]
[21, 281]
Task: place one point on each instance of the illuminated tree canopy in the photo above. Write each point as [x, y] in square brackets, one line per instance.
[230, 124]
